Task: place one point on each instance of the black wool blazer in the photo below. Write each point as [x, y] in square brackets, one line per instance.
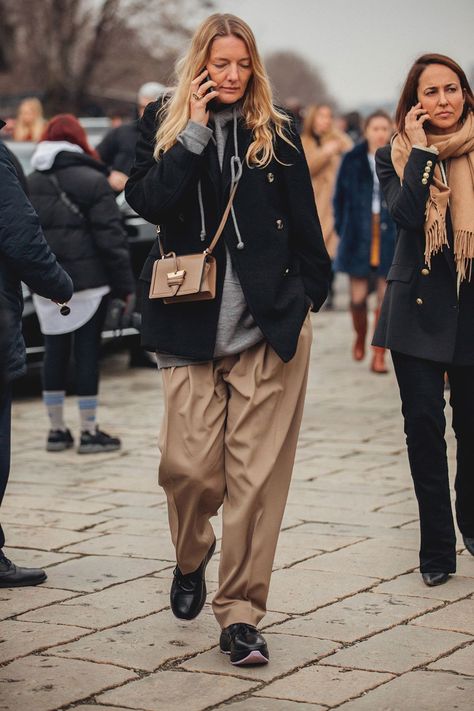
[422, 314]
[284, 266]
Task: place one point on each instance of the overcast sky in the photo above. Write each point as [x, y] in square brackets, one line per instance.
[363, 48]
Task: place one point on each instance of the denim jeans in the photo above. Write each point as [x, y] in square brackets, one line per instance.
[421, 384]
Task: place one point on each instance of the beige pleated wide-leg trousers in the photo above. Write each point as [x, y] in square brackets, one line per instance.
[229, 438]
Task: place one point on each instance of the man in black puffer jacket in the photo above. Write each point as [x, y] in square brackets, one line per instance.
[24, 256]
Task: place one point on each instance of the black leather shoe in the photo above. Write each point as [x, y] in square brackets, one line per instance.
[469, 543]
[12, 576]
[188, 592]
[245, 644]
[432, 579]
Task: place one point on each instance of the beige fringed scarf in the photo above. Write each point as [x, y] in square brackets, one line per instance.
[458, 147]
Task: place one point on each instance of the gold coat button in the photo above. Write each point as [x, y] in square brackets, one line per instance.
[427, 168]
[419, 301]
[429, 163]
[425, 271]
[424, 181]
[270, 177]
[426, 175]
[279, 224]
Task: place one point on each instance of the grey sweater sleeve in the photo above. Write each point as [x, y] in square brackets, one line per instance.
[195, 137]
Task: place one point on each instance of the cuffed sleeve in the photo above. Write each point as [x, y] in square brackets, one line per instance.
[406, 199]
[195, 137]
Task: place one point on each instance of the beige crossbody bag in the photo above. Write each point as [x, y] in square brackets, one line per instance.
[188, 277]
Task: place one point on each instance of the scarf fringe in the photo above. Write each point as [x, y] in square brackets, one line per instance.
[464, 253]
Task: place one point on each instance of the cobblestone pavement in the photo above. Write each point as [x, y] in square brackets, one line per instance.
[350, 624]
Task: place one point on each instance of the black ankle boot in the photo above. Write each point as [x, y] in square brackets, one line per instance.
[432, 579]
[244, 643]
[469, 543]
[188, 592]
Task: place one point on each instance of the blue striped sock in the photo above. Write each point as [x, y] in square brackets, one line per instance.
[87, 411]
[54, 402]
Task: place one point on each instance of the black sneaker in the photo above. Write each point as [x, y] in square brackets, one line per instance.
[12, 576]
[58, 440]
[93, 443]
[245, 644]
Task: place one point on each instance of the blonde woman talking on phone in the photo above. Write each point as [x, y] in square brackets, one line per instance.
[234, 366]
[427, 317]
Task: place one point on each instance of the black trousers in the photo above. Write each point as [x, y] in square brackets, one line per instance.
[421, 384]
[86, 344]
[5, 437]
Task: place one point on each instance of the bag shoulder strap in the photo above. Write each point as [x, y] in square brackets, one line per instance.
[219, 230]
[65, 199]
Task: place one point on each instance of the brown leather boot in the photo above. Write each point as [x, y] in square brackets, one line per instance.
[359, 319]
[378, 357]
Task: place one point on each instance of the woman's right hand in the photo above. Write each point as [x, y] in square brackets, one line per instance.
[414, 121]
[200, 97]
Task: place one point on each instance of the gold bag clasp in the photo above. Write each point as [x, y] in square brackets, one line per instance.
[176, 278]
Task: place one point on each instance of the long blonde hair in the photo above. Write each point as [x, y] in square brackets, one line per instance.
[258, 111]
[33, 132]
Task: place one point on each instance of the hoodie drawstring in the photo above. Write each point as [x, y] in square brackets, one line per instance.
[236, 170]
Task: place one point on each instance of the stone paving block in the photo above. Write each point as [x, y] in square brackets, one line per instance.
[426, 691]
[53, 519]
[17, 639]
[37, 558]
[99, 707]
[47, 539]
[324, 685]
[131, 498]
[93, 573]
[465, 566]
[356, 617]
[133, 527]
[45, 503]
[398, 650]
[145, 643]
[116, 544]
[305, 540]
[461, 662]
[194, 692]
[286, 556]
[305, 512]
[286, 653]
[38, 682]
[112, 606]
[254, 703]
[139, 513]
[371, 558]
[458, 617]
[15, 601]
[412, 584]
[297, 590]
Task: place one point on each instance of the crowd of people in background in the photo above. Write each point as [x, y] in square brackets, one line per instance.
[359, 234]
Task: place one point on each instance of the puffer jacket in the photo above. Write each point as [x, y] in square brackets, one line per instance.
[92, 247]
[24, 256]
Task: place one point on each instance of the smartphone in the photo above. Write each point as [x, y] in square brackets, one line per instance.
[211, 104]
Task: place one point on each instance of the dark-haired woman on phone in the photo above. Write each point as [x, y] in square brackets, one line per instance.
[427, 317]
[234, 367]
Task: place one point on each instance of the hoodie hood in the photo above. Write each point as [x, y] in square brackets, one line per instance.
[45, 154]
